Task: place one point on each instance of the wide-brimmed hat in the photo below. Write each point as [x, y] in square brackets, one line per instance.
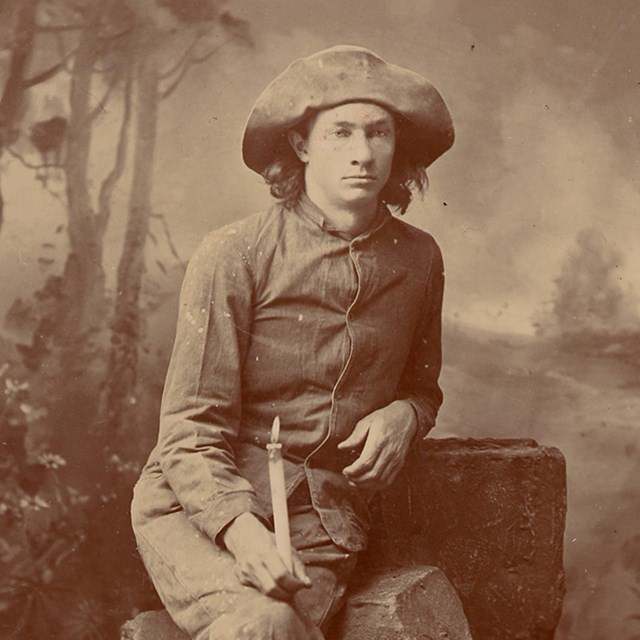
[337, 76]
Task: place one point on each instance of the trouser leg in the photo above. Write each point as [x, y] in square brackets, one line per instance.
[258, 617]
[197, 583]
[329, 567]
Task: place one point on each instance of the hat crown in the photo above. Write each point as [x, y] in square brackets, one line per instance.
[344, 53]
[341, 58]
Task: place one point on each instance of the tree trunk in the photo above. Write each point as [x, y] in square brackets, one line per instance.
[12, 99]
[84, 279]
[127, 327]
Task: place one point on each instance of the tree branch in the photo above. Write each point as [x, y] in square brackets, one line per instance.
[167, 233]
[109, 183]
[30, 165]
[152, 236]
[233, 26]
[43, 76]
[102, 103]
[177, 80]
[191, 59]
[209, 54]
[169, 72]
[55, 195]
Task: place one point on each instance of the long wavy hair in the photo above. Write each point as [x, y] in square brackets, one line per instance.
[285, 175]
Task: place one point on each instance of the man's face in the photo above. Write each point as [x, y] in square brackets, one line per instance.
[348, 153]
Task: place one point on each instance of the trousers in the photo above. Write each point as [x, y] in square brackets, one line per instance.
[197, 584]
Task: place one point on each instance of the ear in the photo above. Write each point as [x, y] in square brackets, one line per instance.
[299, 144]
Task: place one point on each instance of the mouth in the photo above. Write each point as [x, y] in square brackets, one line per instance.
[360, 179]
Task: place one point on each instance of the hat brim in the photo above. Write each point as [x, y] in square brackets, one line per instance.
[337, 76]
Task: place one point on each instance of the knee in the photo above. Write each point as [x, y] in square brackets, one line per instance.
[279, 619]
[268, 619]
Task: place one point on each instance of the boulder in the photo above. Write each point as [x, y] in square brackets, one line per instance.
[407, 604]
[491, 515]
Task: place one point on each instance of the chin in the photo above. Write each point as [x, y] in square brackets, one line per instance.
[362, 198]
[360, 193]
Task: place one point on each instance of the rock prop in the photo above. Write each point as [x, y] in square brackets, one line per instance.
[490, 514]
[152, 625]
[408, 604]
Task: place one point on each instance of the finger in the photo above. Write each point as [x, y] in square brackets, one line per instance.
[300, 571]
[244, 577]
[372, 482]
[378, 476]
[266, 583]
[359, 467]
[365, 461]
[357, 436]
[255, 574]
[281, 576]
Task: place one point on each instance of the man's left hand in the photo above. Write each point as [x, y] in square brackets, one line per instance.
[386, 434]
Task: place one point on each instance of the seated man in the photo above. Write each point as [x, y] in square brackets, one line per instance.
[324, 310]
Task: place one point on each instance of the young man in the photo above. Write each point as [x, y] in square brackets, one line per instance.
[324, 311]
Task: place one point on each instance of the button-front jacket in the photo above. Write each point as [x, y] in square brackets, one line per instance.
[282, 315]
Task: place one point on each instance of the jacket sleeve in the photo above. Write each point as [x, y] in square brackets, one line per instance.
[201, 406]
[419, 381]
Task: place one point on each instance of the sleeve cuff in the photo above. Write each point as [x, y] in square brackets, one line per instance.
[425, 414]
[214, 520]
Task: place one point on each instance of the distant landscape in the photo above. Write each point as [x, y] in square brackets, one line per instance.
[584, 399]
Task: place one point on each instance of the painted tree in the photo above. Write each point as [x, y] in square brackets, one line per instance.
[129, 55]
[106, 34]
[83, 38]
[590, 301]
[19, 32]
[186, 38]
[121, 51]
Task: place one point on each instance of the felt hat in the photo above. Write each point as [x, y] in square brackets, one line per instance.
[337, 76]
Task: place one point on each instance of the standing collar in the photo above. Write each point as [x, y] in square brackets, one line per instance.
[309, 210]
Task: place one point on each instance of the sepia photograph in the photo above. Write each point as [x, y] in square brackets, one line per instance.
[319, 320]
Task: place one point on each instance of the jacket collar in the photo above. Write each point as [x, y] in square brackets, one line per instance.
[309, 210]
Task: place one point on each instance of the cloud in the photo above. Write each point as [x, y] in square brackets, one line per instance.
[532, 167]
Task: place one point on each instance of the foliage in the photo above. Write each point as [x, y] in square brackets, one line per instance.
[51, 532]
[591, 310]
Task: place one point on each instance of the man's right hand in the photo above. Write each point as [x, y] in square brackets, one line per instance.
[258, 563]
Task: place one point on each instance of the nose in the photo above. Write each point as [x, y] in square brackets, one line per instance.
[361, 152]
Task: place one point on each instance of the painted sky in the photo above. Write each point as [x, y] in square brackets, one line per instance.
[545, 97]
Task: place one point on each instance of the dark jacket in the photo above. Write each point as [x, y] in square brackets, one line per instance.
[281, 315]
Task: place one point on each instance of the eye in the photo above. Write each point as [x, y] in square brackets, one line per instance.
[380, 133]
[341, 133]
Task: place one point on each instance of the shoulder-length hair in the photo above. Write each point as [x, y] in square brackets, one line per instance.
[285, 176]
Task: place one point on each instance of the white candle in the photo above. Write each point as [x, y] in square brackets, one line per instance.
[279, 496]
